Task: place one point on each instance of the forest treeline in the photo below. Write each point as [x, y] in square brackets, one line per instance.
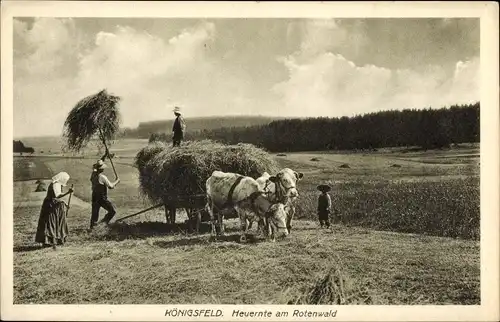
[427, 128]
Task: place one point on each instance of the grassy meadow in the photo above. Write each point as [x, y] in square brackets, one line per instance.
[407, 233]
[434, 193]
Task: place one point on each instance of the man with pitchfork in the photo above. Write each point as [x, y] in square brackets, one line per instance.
[100, 186]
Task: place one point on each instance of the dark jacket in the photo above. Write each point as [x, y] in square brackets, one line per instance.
[324, 203]
[100, 186]
[179, 126]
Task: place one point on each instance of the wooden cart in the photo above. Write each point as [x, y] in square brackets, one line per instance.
[194, 206]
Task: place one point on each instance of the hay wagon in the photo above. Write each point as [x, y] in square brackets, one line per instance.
[194, 205]
[175, 177]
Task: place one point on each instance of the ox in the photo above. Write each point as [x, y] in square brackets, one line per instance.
[282, 188]
[243, 194]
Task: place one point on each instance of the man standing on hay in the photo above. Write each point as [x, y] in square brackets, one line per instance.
[179, 127]
[100, 186]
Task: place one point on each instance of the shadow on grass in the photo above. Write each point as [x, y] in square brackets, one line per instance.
[28, 248]
[304, 228]
[208, 240]
[183, 242]
[142, 230]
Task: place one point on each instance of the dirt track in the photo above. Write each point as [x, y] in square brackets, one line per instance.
[25, 196]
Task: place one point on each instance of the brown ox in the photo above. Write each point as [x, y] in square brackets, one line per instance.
[243, 194]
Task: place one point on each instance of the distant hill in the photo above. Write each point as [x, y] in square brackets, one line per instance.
[194, 124]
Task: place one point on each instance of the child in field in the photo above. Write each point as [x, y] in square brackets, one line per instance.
[324, 205]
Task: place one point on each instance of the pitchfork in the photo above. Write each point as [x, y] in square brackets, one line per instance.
[69, 200]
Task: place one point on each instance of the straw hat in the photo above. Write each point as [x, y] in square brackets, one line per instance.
[324, 188]
[100, 165]
[177, 110]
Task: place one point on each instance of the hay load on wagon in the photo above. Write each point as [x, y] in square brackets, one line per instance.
[182, 171]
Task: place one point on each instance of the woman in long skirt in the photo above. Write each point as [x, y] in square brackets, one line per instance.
[52, 226]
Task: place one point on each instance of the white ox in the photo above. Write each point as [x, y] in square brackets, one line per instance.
[282, 188]
[227, 191]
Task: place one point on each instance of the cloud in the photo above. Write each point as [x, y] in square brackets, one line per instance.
[46, 47]
[331, 35]
[150, 74]
[466, 81]
[324, 83]
[128, 59]
[59, 61]
[322, 35]
[42, 56]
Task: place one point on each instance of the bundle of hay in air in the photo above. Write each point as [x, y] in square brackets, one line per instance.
[93, 115]
[182, 171]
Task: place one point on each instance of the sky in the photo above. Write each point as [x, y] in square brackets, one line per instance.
[261, 66]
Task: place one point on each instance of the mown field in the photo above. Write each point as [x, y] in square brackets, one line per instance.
[434, 193]
[393, 207]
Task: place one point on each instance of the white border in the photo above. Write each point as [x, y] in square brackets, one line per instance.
[486, 11]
